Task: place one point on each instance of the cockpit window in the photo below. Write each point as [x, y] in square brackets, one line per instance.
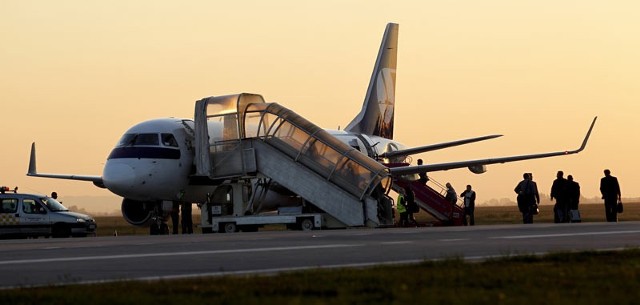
[146, 139]
[169, 140]
[139, 139]
[126, 140]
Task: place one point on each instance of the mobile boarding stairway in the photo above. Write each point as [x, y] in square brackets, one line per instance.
[432, 201]
[241, 142]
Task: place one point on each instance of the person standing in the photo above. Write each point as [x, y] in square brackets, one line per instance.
[54, 195]
[469, 196]
[559, 192]
[187, 221]
[401, 208]
[610, 190]
[423, 175]
[452, 198]
[528, 197]
[175, 217]
[573, 192]
[412, 206]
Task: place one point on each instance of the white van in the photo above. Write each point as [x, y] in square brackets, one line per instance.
[29, 215]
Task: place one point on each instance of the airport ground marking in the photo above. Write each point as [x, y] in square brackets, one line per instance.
[184, 253]
[565, 234]
[400, 242]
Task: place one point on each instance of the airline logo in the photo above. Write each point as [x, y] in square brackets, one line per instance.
[385, 95]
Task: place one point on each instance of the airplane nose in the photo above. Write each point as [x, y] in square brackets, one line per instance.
[118, 177]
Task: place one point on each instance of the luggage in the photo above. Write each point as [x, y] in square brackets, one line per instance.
[574, 216]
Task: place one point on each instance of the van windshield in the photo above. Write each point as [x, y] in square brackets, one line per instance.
[53, 204]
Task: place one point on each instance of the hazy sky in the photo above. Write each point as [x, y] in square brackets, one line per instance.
[74, 75]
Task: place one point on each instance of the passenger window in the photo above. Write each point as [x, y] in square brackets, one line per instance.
[9, 205]
[30, 206]
[169, 140]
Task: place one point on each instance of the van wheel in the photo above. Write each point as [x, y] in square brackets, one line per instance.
[60, 231]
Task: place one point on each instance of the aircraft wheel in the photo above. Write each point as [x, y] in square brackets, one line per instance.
[306, 224]
[154, 229]
[164, 229]
[230, 227]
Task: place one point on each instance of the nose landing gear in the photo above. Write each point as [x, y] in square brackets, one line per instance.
[159, 227]
[159, 218]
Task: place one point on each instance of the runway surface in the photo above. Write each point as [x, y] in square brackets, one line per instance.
[103, 259]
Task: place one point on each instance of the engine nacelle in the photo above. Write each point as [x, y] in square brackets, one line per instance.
[478, 169]
[138, 213]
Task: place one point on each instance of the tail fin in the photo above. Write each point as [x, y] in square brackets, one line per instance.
[376, 116]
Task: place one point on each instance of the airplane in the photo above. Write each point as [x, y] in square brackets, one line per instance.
[152, 166]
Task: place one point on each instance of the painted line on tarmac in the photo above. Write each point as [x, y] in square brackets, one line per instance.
[264, 272]
[186, 253]
[566, 234]
[401, 242]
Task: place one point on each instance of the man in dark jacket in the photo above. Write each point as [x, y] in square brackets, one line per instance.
[469, 197]
[610, 190]
[528, 197]
[412, 206]
[559, 192]
[573, 190]
[452, 198]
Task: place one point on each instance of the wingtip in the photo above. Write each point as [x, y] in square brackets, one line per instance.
[586, 138]
[32, 161]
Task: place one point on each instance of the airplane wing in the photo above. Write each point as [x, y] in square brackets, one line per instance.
[421, 149]
[97, 180]
[474, 164]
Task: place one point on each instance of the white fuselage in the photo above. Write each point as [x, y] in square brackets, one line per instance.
[154, 160]
[150, 170]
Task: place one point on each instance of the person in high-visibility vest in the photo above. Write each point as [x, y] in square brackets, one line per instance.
[401, 207]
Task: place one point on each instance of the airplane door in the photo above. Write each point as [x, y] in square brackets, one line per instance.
[358, 142]
[34, 219]
[9, 217]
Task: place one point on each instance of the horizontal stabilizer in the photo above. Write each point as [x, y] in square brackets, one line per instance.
[432, 147]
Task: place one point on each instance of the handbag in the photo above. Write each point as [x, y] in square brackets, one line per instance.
[414, 208]
[534, 209]
[620, 207]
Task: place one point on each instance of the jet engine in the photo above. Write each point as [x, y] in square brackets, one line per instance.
[478, 169]
[139, 213]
